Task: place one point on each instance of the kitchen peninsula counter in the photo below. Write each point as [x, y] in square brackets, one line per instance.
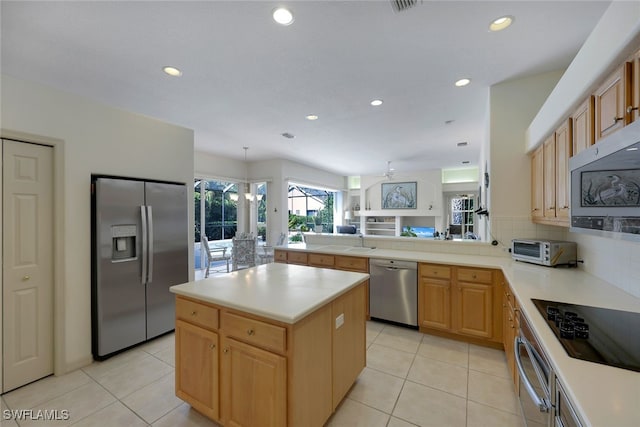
[277, 344]
[602, 395]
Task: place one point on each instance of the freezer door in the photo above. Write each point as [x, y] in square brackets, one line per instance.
[168, 252]
[118, 291]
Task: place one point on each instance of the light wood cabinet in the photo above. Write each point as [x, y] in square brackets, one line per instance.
[634, 109]
[582, 126]
[322, 260]
[472, 303]
[459, 302]
[537, 184]
[434, 296]
[549, 176]
[240, 369]
[254, 386]
[562, 182]
[550, 185]
[611, 101]
[510, 329]
[196, 371]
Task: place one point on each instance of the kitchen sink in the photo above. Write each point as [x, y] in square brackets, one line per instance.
[357, 249]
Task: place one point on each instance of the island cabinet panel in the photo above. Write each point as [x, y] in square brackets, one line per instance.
[255, 332]
[254, 386]
[349, 342]
[321, 260]
[196, 356]
[197, 313]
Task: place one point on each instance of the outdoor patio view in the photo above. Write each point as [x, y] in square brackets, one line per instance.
[216, 214]
[310, 209]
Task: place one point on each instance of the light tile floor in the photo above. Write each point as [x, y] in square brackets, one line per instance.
[411, 379]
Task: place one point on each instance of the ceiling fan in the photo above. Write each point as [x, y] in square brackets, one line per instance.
[390, 171]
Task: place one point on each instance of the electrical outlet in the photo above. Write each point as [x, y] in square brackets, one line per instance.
[340, 320]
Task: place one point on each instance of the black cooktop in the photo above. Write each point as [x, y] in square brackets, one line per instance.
[600, 335]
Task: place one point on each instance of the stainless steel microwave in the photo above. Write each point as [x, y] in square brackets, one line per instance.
[605, 186]
[544, 252]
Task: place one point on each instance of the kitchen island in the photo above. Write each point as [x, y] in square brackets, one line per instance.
[273, 345]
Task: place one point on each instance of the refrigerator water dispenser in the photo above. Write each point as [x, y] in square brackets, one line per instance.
[123, 242]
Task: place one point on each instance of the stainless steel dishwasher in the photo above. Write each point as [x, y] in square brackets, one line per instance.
[393, 291]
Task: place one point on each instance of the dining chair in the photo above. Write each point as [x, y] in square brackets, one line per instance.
[244, 251]
[214, 254]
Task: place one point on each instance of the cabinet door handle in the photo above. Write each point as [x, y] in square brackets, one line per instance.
[226, 350]
[212, 346]
[25, 278]
[630, 109]
[194, 313]
[473, 275]
[250, 332]
[617, 119]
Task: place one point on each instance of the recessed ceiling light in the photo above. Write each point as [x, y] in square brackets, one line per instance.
[462, 144]
[311, 117]
[283, 16]
[501, 23]
[172, 71]
[376, 102]
[463, 82]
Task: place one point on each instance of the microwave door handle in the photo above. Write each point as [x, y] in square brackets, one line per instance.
[537, 400]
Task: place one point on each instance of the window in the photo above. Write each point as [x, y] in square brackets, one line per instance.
[461, 213]
[309, 209]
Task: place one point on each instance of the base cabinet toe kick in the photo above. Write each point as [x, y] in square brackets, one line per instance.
[239, 369]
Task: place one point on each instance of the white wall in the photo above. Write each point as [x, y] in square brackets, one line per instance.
[92, 139]
[512, 106]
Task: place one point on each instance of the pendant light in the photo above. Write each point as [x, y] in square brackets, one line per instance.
[247, 189]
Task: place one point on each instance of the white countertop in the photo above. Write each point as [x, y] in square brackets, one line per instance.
[282, 292]
[604, 396]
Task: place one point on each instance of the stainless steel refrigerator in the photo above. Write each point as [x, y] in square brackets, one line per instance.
[139, 249]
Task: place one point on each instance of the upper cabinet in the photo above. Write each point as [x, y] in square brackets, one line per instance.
[550, 178]
[582, 123]
[634, 109]
[611, 101]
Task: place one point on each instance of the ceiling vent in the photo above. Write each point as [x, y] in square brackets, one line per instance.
[400, 5]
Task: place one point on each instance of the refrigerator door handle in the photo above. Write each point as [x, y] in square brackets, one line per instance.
[150, 243]
[143, 216]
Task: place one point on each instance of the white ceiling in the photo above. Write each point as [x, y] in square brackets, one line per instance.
[246, 79]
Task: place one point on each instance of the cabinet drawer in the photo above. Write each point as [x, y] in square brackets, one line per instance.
[280, 256]
[196, 313]
[321, 260]
[297, 258]
[255, 332]
[475, 276]
[436, 271]
[351, 263]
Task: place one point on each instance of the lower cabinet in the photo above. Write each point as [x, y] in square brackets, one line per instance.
[197, 367]
[244, 370]
[460, 302]
[253, 386]
[510, 330]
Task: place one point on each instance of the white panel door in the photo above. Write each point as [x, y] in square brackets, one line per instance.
[27, 274]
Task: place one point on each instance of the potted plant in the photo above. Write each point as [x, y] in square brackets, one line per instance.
[318, 227]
